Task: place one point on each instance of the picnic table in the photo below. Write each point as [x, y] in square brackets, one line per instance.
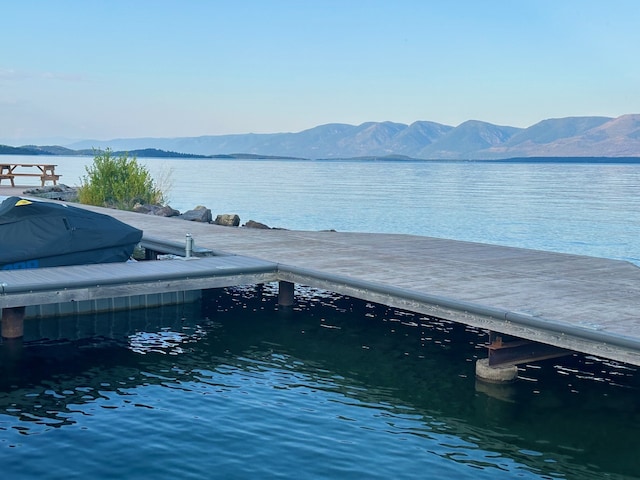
[46, 172]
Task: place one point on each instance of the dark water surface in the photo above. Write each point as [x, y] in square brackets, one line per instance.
[234, 387]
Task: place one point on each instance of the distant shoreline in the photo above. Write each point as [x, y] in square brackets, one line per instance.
[56, 151]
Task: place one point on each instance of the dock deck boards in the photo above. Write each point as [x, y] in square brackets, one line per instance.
[90, 282]
[599, 297]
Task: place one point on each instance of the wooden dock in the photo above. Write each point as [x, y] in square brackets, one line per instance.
[584, 304]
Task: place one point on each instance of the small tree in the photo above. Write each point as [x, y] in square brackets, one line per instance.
[117, 182]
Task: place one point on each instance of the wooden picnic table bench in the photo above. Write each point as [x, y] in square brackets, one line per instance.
[47, 172]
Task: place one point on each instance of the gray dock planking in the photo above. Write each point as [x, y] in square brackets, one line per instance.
[586, 304]
[91, 282]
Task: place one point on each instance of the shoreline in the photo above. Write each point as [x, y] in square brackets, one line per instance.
[197, 214]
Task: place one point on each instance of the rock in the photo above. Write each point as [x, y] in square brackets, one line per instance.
[142, 208]
[198, 214]
[159, 210]
[55, 192]
[254, 224]
[166, 211]
[227, 220]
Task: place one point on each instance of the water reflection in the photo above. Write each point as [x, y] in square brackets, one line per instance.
[368, 365]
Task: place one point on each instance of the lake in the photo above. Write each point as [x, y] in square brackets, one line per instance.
[235, 387]
[588, 209]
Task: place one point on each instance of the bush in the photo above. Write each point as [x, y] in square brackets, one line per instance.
[118, 182]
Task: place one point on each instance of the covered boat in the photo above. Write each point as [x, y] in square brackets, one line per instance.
[37, 234]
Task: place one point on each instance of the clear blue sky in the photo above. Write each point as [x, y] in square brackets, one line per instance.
[107, 69]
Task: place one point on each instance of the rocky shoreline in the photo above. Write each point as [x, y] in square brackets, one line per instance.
[200, 213]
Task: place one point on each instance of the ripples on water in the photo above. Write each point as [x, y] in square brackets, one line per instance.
[334, 388]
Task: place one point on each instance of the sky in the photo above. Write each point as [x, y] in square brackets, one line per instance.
[73, 70]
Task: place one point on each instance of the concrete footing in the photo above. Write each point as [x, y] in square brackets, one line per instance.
[13, 322]
[495, 374]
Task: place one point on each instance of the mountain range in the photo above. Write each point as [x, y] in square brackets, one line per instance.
[473, 139]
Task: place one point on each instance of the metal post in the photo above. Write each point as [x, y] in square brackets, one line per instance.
[189, 246]
[285, 293]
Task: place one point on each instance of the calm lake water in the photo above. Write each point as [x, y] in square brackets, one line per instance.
[233, 387]
[588, 209]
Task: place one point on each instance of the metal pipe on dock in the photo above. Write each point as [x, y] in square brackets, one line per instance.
[188, 250]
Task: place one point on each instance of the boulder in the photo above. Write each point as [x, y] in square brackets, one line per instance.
[254, 224]
[227, 220]
[142, 208]
[55, 192]
[166, 211]
[198, 214]
[159, 210]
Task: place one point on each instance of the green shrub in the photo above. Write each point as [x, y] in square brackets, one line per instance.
[118, 182]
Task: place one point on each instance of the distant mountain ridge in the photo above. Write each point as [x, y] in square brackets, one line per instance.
[473, 139]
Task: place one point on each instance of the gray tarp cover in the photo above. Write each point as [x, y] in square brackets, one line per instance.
[43, 234]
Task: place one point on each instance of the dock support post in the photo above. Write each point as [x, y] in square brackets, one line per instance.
[495, 373]
[285, 293]
[506, 352]
[13, 322]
